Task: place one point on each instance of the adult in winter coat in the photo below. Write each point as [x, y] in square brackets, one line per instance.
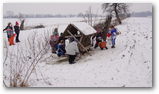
[113, 32]
[72, 50]
[10, 34]
[17, 31]
[61, 49]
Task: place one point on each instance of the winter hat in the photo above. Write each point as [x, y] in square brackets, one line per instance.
[9, 24]
[55, 33]
[16, 23]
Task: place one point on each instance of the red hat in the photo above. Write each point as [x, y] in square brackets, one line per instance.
[16, 23]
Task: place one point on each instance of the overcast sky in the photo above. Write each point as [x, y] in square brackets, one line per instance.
[65, 8]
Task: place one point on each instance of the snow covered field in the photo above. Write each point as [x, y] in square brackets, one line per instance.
[43, 21]
[128, 65]
[48, 21]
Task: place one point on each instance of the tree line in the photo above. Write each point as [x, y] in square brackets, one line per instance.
[10, 14]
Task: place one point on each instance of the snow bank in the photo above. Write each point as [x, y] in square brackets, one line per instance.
[128, 65]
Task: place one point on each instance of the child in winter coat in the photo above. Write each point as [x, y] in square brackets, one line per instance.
[113, 33]
[103, 45]
[61, 49]
[61, 37]
[98, 39]
[54, 41]
[72, 50]
[10, 34]
[17, 31]
[108, 38]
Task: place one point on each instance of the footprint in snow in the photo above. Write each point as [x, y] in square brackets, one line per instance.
[146, 37]
[122, 56]
[131, 54]
[128, 51]
[145, 61]
[112, 78]
[117, 70]
[123, 86]
[148, 67]
[134, 34]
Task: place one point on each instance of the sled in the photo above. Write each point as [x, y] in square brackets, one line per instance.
[58, 60]
[62, 59]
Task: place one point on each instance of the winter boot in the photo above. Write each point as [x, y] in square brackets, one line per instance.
[113, 46]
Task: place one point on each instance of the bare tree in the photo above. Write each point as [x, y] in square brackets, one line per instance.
[21, 63]
[106, 26]
[117, 8]
[88, 16]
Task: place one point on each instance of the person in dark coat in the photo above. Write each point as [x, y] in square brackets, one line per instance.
[61, 38]
[10, 34]
[98, 39]
[17, 31]
[9, 30]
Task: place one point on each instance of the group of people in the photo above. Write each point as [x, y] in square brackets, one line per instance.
[57, 41]
[58, 46]
[111, 35]
[12, 32]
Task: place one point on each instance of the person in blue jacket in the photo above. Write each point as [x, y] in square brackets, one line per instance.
[113, 32]
[61, 49]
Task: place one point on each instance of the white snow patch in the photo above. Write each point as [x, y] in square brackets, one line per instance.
[84, 27]
[128, 65]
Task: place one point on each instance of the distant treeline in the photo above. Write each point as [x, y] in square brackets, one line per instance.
[48, 16]
[141, 14]
[11, 15]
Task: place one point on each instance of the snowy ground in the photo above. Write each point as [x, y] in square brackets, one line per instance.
[128, 65]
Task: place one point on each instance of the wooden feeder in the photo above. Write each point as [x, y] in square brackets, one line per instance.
[82, 32]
